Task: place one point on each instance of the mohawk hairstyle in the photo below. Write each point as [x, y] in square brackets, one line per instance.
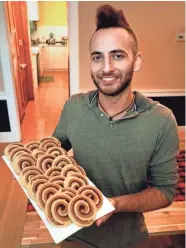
[108, 17]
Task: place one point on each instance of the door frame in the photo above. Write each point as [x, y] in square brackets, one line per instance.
[73, 40]
[9, 93]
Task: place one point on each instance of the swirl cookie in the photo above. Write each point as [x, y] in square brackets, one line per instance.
[70, 168]
[62, 161]
[53, 171]
[80, 169]
[93, 193]
[32, 145]
[73, 160]
[49, 142]
[39, 152]
[22, 161]
[10, 147]
[27, 173]
[57, 180]
[56, 210]
[57, 151]
[69, 191]
[75, 181]
[34, 184]
[17, 151]
[82, 211]
[45, 192]
[45, 161]
[51, 138]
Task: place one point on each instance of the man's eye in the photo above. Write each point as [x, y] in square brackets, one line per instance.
[118, 56]
[97, 58]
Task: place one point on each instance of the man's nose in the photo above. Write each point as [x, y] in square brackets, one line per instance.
[107, 66]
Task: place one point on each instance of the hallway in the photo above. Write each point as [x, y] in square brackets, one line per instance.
[42, 114]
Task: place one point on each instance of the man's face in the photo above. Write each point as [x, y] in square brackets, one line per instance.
[112, 60]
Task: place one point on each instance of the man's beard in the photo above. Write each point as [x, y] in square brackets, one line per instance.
[121, 87]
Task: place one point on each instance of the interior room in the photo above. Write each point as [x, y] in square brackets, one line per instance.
[44, 60]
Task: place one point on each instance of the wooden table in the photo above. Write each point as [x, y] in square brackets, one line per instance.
[13, 204]
[164, 221]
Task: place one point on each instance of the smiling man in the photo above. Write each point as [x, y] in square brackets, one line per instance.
[126, 142]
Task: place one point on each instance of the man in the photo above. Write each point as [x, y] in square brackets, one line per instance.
[126, 142]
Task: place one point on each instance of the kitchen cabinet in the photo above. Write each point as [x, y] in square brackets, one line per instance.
[55, 58]
[34, 70]
[47, 58]
[40, 61]
[33, 10]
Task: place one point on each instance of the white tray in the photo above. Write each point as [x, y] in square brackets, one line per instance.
[60, 233]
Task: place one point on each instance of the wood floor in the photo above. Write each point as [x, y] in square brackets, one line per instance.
[43, 113]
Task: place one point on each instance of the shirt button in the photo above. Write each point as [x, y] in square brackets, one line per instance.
[110, 125]
[101, 114]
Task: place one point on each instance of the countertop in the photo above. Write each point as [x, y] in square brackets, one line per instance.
[35, 49]
[170, 221]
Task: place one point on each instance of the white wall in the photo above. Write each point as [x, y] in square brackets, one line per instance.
[1, 77]
[6, 75]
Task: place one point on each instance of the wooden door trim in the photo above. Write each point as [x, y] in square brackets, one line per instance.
[27, 50]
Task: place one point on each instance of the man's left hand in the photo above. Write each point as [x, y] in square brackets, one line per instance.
[107, 216]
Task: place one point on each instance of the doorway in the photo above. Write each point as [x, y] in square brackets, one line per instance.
[19, 46]
[50, 68]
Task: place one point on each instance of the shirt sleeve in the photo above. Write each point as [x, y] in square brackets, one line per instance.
[163, 164]
[60, 131]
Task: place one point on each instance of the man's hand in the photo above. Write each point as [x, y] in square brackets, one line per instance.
[107, 216]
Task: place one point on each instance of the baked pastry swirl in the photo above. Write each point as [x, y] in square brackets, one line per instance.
[32, 145]
[51, 138]
[53, 171]
[27, 173]
[57, 151]
[70, 168]
[93, 193]
[81, 169]
[34, 184]
[10, 147]
[48, 142]
[45, 192]
[57, 180]
[56, 209]
[82, 211]
[75, 181]
[17, 151]
[62, 161]
[69, 191]
[39, 152]
[45, 161]
[22, 161]
[73, 160]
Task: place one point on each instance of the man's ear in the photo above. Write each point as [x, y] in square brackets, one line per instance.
[138, 62]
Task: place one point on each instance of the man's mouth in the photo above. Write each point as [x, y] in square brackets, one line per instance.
[108, 80]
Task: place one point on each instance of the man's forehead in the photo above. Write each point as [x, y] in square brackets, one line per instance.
[111, 39]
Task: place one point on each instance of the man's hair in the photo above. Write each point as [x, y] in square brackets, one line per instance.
[108, 17]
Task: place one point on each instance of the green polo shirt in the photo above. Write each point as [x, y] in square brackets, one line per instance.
[120, 157]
